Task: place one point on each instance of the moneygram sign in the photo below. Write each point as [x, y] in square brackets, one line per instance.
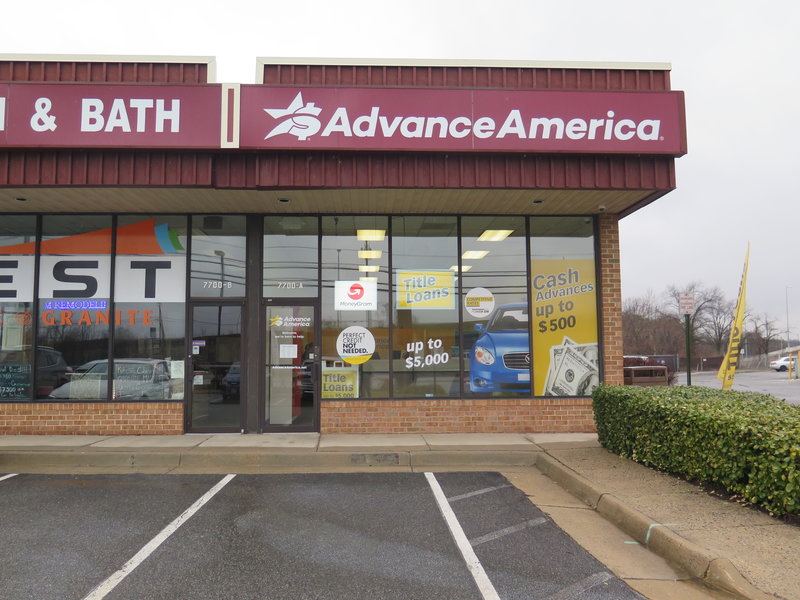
[462, 120]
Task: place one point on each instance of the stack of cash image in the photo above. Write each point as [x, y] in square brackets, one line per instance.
[574, 369]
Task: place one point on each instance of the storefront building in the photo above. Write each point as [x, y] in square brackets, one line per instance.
[347, 246]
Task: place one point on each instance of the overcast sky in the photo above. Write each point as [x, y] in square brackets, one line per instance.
[738, 63]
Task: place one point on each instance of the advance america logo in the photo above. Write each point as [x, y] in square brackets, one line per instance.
[297, 119]
[599, 123]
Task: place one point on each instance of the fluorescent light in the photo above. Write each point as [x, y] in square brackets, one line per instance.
[495, 235]
[371, 235]
[369, 268]
[364, 278]
[474, 254]
[464, 269]
[370, 254]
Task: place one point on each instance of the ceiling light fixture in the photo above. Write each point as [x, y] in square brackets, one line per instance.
[474, 254]
[495, 235]
[464, 268]
[369, 268]
[369, 254]
[371, 235]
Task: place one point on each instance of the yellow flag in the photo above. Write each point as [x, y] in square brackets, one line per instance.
[728, 367]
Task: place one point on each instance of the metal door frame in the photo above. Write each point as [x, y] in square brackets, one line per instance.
[314, 303]
[189, 372]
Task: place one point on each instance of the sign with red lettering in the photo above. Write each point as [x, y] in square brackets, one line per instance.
[462, 120]
[104, 116]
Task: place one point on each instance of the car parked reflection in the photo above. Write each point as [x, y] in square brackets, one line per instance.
[134, 379]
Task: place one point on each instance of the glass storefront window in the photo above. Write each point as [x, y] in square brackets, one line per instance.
[219, 256]
[425, 351]
[494, 288]
[409, 306]
[17, 262]
[74, 306]
[564, 305]
[150, 295]
[355, 297]
[291, 259]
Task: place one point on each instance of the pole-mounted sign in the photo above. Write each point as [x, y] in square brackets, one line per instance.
[687, 308]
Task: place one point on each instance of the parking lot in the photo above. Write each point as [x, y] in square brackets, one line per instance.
[764, 381]
[377, 536]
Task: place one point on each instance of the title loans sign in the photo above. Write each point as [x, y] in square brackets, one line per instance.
[462, 120]
[116, 116]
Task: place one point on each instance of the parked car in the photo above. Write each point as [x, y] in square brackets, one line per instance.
[231, 383]
[51, 368]
[500, 360]
[783, 363]
[134, 379]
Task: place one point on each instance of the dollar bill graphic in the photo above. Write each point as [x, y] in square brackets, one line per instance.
[574, 369]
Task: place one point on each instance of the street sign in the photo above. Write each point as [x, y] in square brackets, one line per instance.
[687, 304]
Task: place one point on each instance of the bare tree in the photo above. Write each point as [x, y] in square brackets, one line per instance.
[715, 326]
[647, 329]
[764, 332]
[712, 317]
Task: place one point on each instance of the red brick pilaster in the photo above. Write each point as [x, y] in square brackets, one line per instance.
[610, 299]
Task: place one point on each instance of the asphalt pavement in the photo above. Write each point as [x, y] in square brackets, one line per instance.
[376, 536]
[763, 381]
[622, 512]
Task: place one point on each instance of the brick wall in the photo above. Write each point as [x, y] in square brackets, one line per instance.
[611, 299]
[501, 415]
[102, 418]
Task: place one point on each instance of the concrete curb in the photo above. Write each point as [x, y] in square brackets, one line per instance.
[231, 460]
[715, 571]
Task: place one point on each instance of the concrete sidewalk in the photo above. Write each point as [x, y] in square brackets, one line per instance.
[726, 545]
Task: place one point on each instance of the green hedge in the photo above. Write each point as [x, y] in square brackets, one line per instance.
[748, 443]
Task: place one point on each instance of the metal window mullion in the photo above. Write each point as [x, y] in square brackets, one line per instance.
[528, 295]
[390, 316]
[35, 306]
[112, 310]
[459, 295]
[188, 331]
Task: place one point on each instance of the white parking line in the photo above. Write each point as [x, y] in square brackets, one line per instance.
[577, 588]
[470, 558]
[9, 476]
[506, 531]
[477, 492]
[102, 590]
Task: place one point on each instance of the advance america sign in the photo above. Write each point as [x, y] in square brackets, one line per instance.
[462, 120]
[290, 118]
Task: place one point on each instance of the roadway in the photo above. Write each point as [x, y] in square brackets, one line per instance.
[764, 381]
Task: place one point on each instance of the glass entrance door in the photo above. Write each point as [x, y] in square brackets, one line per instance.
[292, 368]
[215, 378]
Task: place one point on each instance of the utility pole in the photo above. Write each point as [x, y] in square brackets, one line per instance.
[687, 308]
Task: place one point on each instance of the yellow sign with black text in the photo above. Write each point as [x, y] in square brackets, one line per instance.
[426, 289]
[565, 350]
[339, 382]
